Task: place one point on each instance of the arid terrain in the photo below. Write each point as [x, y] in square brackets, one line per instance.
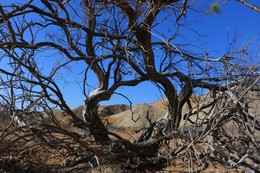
[96, 157]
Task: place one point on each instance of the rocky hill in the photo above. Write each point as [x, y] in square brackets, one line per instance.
[139, 117]
[120, 116]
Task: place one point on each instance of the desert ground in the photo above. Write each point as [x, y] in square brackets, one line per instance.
[28, 156]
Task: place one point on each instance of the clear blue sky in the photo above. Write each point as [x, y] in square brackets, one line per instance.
[235, 19]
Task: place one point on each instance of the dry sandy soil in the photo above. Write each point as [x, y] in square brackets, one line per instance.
[55, 159]
[126, 123]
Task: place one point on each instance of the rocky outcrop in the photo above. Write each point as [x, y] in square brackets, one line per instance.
[105, 111]
[78, 111]
[141, 116]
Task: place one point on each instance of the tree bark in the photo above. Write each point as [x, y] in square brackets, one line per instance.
[96, 127]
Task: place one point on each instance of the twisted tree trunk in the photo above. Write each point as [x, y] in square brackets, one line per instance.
[90, 115]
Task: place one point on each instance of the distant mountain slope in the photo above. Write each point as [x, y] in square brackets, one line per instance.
[120, 115]
[140, 117]
[104, 110]
[162, 103]
[143, 114]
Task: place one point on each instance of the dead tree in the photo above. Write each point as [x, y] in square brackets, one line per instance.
[250, 5]
[95, 34]
[77, 39]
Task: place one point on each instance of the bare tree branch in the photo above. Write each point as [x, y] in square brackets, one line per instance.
[250, 5]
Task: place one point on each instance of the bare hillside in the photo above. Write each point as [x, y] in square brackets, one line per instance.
[139, 117]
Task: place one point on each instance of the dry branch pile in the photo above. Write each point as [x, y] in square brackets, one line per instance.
[221, 130]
